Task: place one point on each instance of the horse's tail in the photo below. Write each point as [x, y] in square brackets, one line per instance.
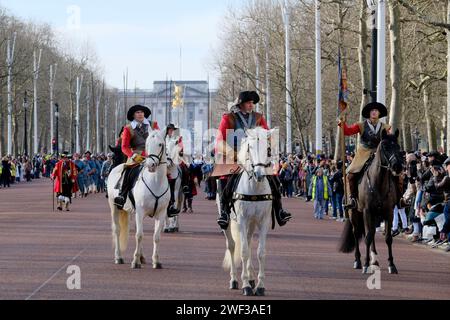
[348, 242]
[236, 238]
[124, 223]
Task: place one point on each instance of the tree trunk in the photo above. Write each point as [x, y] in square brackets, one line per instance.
[443, 145]
[448, 78]
[431, 132]
[362, 54]
[15, 141]
[2, 127]
[406, 133]
[396, 65]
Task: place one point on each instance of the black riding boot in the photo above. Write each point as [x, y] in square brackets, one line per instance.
[172, 211]
[353, 186]
[281, 215]
[225, 210]
[123, 193]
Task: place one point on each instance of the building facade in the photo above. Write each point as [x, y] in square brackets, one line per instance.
[193, 116]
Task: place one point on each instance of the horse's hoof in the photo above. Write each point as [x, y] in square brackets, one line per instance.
[393, 270]
[366, 270]
[260, 292]
[252, 284]
[247, 291]
[176, 230]
[166, 230]
[234, 285]
[136, 266]
[143, 261]
[357, 265]
[119, 261]
[157, 266]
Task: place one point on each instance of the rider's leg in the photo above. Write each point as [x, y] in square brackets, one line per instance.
[172, 211]
[225, 189]
[281, 215]
[224, 214]
[125, 188]
[353, 188]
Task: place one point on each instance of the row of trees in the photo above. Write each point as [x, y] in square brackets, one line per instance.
[252, 54]
[69, 62]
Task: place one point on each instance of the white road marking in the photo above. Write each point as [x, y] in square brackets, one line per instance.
[55, 274]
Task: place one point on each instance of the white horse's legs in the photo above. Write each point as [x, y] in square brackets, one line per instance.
[245, 255]
[139, 237]
[116, 236]
[156, 240]
[251, 269]
[231, 247]
[260, 288]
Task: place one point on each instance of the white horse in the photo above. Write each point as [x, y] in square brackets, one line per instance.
[253, 209]
[174, 169]
[152, 196]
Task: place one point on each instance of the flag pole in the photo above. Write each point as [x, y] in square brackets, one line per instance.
[344, 169]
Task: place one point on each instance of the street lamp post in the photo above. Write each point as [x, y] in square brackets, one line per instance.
[372, 4]
[25, 135]
[57, 128]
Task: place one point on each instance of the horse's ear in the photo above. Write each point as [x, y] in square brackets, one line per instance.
[384, 134]
[397, 133]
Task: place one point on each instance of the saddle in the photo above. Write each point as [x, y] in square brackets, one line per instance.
[133, 175]
[366, 167]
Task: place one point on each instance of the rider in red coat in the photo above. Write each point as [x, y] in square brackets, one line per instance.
[134, 137]
[241, 118]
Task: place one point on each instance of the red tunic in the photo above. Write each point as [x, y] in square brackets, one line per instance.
[225, 125]
[351, 130]
[58, 176]
[126, 141]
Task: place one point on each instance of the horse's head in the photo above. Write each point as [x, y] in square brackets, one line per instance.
[390, 152]
[173, 150]
[156, 150]
[255, 153]
[118, 156]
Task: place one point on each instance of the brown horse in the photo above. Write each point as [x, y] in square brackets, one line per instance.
[377, 199]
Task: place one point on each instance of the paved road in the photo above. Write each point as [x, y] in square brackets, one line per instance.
[37, 246]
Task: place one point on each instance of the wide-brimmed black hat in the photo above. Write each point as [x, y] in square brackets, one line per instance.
[88, 152]
[375, 105]
[137, 108]
[65, 154]
[171, 126]
[247, 96]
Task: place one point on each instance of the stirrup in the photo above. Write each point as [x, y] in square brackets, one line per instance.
[119, 202]
[223, 221]
[172, 212]
[352, 205]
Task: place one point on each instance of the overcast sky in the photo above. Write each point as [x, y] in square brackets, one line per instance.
[143, 35]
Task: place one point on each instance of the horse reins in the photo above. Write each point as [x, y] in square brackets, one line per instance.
[159, 158]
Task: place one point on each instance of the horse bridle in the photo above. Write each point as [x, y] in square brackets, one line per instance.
[250, 159]
[158, 158]
[388, 167]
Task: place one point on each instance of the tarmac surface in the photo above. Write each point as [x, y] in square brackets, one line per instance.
[37, 246]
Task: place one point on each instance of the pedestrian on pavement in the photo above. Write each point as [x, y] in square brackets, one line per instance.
[320, 190]
[5, 178]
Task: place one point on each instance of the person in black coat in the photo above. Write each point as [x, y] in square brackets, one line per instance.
[5, 178]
